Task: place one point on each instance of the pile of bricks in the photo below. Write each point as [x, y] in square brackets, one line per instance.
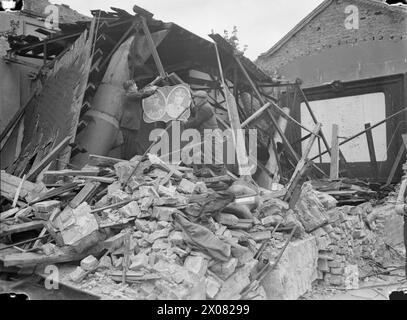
[343, 239]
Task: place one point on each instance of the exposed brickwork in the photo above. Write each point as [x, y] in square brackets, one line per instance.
[327, 30]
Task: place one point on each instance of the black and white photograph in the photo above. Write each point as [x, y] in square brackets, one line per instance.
[202, 158]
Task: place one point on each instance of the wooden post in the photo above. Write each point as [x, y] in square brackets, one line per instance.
[364, 131]
[334, 173]
[397, 161]
[299, 170]
[235, 124]
[372, 151]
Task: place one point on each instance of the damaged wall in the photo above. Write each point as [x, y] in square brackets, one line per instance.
[323, 49]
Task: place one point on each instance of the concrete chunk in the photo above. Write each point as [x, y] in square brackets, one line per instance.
[164, 213]
[139, 261]
[89, 263]
[225, 270]
[130, 210]
[186, 187]
[78, 275]
[176, 238]
[197, 265]
[212, 287]
[159, 234]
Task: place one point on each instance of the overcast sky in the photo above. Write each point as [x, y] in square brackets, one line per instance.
[261, 23]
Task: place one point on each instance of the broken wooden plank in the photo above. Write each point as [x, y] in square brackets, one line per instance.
[255, 115]
[18, 192]
[237, 131]
[98, 179]
[302, 164]
[9, 184]
[19, 228]
[396, 164]
[100, 161]
[57, 192]
[334, 168]
[71, 173]
[372, 151]
[33, 259]
[8, 214]
[85, 194]
[32, 175]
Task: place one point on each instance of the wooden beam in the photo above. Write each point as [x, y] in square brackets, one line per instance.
[19, 228]
[32, 175]
[101, 161]
[237, 132]
[255, 115]
[153, 48]
[9, 184]
[397, 160]
[334, 170]
[85, 194]
[273, 120]
[301, 164]
[372, 151]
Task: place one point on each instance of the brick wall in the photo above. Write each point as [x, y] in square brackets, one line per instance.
[327, 30]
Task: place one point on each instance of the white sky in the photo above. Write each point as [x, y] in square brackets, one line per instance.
[261, 23]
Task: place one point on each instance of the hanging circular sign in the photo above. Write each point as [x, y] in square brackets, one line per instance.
[167, 104]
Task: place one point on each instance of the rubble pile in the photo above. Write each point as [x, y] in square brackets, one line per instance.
[162, 228]
[146, 229]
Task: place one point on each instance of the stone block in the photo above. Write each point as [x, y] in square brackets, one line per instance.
[196, 264]
[89, 263]
[78, 275]
[295, 273]
[164, 213]
[176, 238]
[337, 271]
[336, 280]
[139, 261]
[105, 263]
[130, 210]
[200, 188]
[234, 285]
[226, 269]
[323, 242]
[351, 274]
[167, 192]
[160, 244]
[212, 287]
[271, 220]
[186, 187]
[323, 265]
[335, 264]
[159, 234]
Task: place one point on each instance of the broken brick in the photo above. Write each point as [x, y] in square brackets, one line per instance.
[186, 187]
[89, 263]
